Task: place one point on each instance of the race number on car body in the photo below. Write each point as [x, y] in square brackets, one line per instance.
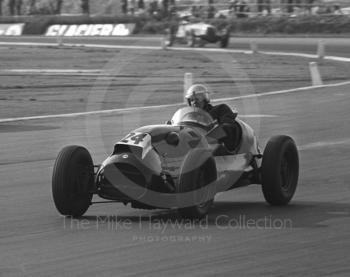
[142, 140]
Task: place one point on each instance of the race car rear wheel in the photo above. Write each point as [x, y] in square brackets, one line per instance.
[280, 170]
[72, 181]
[225, 39]
[171, 36]
[190, 39]
[196, 181]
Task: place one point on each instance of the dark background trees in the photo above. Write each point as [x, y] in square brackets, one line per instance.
[85, 6]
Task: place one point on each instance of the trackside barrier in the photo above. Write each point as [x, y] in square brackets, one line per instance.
[320, 49]
[254, 47]
[163, 43]
[59, 40]
[315, 74]
[188, 81]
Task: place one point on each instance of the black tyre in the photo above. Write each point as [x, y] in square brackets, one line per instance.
[195, 179]
[72, 181]
[201, 43]
[225, 38]
[172, 34]
[280, 170]
[171, 39]
[190, 39]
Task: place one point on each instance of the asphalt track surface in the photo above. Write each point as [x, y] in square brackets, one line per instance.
[242, 235]
[333, 46]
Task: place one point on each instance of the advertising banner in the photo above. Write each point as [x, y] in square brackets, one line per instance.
[11, 29]
[91, 30]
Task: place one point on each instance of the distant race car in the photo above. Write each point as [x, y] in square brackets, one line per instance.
[198, 34]
[178, 165]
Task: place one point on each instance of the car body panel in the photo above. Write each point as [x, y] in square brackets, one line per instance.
[198, 29]
[200, 32]
[148, 158]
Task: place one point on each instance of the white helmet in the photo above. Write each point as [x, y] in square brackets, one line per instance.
[197, 92]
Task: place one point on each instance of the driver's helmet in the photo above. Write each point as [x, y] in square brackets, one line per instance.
[197, 93]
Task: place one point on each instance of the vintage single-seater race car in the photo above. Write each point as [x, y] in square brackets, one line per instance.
[179, 165]
[198, 34]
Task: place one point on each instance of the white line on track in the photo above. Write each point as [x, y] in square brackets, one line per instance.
[54, 72]
[302, 55]
[216, 50]
[34, 70]
[129, 47]
[124, 110]
[281, 92]
[257, 115]
[310, 56]
[339, 59]
[321, 144]
[340, 213]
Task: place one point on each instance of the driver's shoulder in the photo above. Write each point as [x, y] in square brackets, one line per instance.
[221, 108]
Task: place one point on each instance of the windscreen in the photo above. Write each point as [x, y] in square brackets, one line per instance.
[192, 115]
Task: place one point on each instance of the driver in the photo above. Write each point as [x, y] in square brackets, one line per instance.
[198, 96]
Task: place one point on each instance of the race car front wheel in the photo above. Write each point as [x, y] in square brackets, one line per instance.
[72, 181]
[198, 172]
[280, 170]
